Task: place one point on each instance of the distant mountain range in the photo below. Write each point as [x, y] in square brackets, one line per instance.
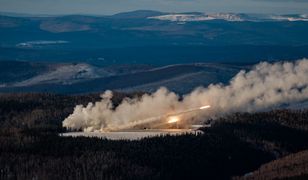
[143, 28]
[88, 53]
[189, 16]
[151, 37]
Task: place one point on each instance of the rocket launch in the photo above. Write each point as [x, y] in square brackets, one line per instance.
[265, 86]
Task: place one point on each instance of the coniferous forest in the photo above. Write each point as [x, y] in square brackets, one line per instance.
[268, 145]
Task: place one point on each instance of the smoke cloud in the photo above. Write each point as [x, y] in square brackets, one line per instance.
[265, 86]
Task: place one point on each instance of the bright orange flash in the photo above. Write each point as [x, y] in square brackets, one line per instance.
[173, 119]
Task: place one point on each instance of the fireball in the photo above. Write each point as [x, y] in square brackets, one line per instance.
[205, 107]
[173, 119]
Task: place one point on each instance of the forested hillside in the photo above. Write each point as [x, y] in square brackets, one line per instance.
[235, 144]
[294, 166]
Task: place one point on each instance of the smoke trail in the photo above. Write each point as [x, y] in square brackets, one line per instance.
[265, 86]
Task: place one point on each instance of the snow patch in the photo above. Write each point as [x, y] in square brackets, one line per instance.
[233, 17]
[65, 74]
[198, 17]
[302, 17]
[133, 134]
[41, 43]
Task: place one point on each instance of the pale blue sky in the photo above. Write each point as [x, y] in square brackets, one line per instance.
[105, 7]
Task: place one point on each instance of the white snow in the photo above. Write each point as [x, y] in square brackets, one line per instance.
[40, 43]
[190, 17]
[133, 134]
[198, 17]
[65, 74]
[302, 17]
[182, 17]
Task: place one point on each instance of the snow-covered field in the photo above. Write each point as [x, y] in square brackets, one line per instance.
[133, 134]
[66, 74]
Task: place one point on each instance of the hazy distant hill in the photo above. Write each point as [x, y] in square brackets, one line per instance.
[157, 55]
[137, 14]
[83, 78]
[13, 71]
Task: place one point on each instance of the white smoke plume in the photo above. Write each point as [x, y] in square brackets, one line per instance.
[265, 86]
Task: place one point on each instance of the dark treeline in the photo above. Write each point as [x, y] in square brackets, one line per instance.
[30, 147]
[294, 166]
[279, 132]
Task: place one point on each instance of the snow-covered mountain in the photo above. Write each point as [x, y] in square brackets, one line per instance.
[301, 17]
[191, 17]
[198, 17]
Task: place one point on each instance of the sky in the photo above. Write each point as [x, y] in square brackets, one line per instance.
[107, 7]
